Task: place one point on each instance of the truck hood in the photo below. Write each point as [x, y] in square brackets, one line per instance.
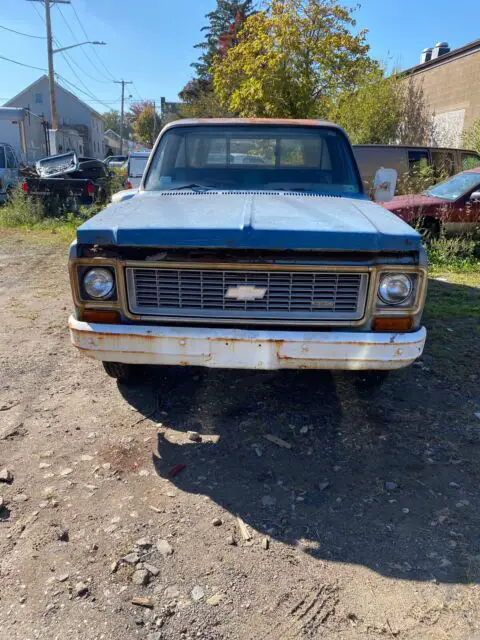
[249, 220]
[412, 201]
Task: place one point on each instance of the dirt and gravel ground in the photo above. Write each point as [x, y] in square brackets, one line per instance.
[367, 526]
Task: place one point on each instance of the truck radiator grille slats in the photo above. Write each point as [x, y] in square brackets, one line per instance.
[246, 294]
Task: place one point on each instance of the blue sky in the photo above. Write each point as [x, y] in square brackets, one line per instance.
[151, 41]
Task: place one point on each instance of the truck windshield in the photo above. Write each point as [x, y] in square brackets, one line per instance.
[455, 187]
[249, 157]
[136, 166]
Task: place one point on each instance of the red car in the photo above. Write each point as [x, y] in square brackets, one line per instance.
[453, 205]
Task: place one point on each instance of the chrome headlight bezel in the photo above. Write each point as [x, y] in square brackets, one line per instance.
[389, 285]
[108, 275]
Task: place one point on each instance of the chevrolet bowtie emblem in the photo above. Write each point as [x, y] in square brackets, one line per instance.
[246, 292]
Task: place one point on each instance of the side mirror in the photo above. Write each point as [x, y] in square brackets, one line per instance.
[384, 184]
[475, 197]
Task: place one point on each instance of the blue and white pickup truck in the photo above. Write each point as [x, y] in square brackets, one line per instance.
[250, 244]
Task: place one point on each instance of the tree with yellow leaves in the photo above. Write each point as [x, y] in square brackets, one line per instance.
[292, 60]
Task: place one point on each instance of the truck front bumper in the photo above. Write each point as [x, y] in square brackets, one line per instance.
[246, 349]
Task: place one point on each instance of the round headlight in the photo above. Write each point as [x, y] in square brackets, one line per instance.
[98, 283]
[395, 288]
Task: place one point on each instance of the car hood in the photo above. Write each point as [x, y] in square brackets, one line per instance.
[412, 200]
[249, 220]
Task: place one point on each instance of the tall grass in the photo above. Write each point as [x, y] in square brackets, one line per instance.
[456, 253]
[26, 212]
[419, 178]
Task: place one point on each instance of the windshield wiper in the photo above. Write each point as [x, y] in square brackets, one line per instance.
[194, 186]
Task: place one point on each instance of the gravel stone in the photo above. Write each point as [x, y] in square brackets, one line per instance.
[81, 590]
[151, 569]
[141, 577]
[197, 593]
[143, 543]
[131, 558]
[171, 593]
[164, 548]
[6, 476]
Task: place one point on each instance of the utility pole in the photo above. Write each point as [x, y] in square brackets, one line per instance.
[51, 51]
[51, 73]
[122, 110]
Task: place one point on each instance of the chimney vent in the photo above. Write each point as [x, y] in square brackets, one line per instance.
[426, 55]
[440, 49]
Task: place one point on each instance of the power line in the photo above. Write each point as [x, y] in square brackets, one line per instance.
[112, 77]
[19, 33]
[84, 52]
[63, 79]
[90, 95]
[29, 66]
[138, 92]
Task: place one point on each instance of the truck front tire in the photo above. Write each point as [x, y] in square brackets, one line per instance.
[121, 371]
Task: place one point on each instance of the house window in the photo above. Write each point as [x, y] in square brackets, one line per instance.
[38, 98]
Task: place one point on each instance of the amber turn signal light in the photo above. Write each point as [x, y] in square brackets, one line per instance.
[393, 324]
[101, 316]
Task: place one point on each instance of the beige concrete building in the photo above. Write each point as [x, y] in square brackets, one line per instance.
[451, 83]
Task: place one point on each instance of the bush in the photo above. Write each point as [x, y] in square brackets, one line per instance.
[116, 182]
[460, 253]
[471, 137]
[21, 210]
[420, 177]
[24, 211]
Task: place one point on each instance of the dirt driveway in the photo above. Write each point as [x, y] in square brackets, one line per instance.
[367, 525]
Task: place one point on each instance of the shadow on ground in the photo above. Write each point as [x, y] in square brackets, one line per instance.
[387, 480]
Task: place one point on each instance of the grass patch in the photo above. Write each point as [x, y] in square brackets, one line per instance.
[453, 295]
[452, 318]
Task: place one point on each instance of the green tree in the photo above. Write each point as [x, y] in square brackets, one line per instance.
[371, 114]
[292, 60]
[205, 105]
[146, 122]
[112, 121]
[385, 110]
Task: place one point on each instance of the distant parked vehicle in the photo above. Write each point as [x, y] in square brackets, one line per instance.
[25, 132]
[115, 161]
[404, 159]
[137, 161]
[9, 170]
[453, 205]
[67, 179]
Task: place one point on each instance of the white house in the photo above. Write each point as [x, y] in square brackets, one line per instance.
[73, 113]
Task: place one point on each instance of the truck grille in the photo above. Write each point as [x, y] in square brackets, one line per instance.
[272, 295]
